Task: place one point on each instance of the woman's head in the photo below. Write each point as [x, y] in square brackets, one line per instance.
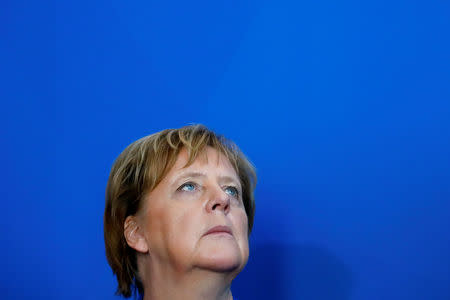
[165, 191]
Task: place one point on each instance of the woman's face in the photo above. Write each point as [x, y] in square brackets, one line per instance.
[186, 204]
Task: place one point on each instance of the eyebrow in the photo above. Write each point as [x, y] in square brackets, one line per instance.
[230, 179]
[189, 175]
[225, 178]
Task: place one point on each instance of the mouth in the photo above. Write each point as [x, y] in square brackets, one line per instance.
[219, 230]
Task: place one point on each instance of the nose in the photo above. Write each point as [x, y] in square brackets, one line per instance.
[218, 201]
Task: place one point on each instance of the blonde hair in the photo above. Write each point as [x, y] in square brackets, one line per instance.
[139, 169]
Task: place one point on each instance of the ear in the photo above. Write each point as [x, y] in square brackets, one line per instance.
[134, 235]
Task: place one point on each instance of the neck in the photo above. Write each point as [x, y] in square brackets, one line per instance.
[194, 284]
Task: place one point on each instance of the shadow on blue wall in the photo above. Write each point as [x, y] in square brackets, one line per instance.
[281, 271]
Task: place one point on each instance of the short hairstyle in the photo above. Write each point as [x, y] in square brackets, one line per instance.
[139, 169]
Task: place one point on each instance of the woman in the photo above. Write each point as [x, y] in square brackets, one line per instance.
[179, 211]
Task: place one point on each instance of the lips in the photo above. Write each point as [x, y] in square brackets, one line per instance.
[219, 229]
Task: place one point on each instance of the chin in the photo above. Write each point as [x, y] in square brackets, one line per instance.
[222, 265]
[222, 260]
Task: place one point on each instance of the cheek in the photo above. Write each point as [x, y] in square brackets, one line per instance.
[159, 224]
[241, 223]
[170, 234]
[182, 228]
[244, 245]
[186, 224]
[155, 228]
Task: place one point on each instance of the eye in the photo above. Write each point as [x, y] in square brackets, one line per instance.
[187, 187]
[232, 191]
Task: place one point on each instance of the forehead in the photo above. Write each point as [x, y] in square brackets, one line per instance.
[208, 160]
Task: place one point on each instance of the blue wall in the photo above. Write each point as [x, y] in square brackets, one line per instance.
[343, 106]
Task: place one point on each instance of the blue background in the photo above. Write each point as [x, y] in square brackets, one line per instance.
[343, 106]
